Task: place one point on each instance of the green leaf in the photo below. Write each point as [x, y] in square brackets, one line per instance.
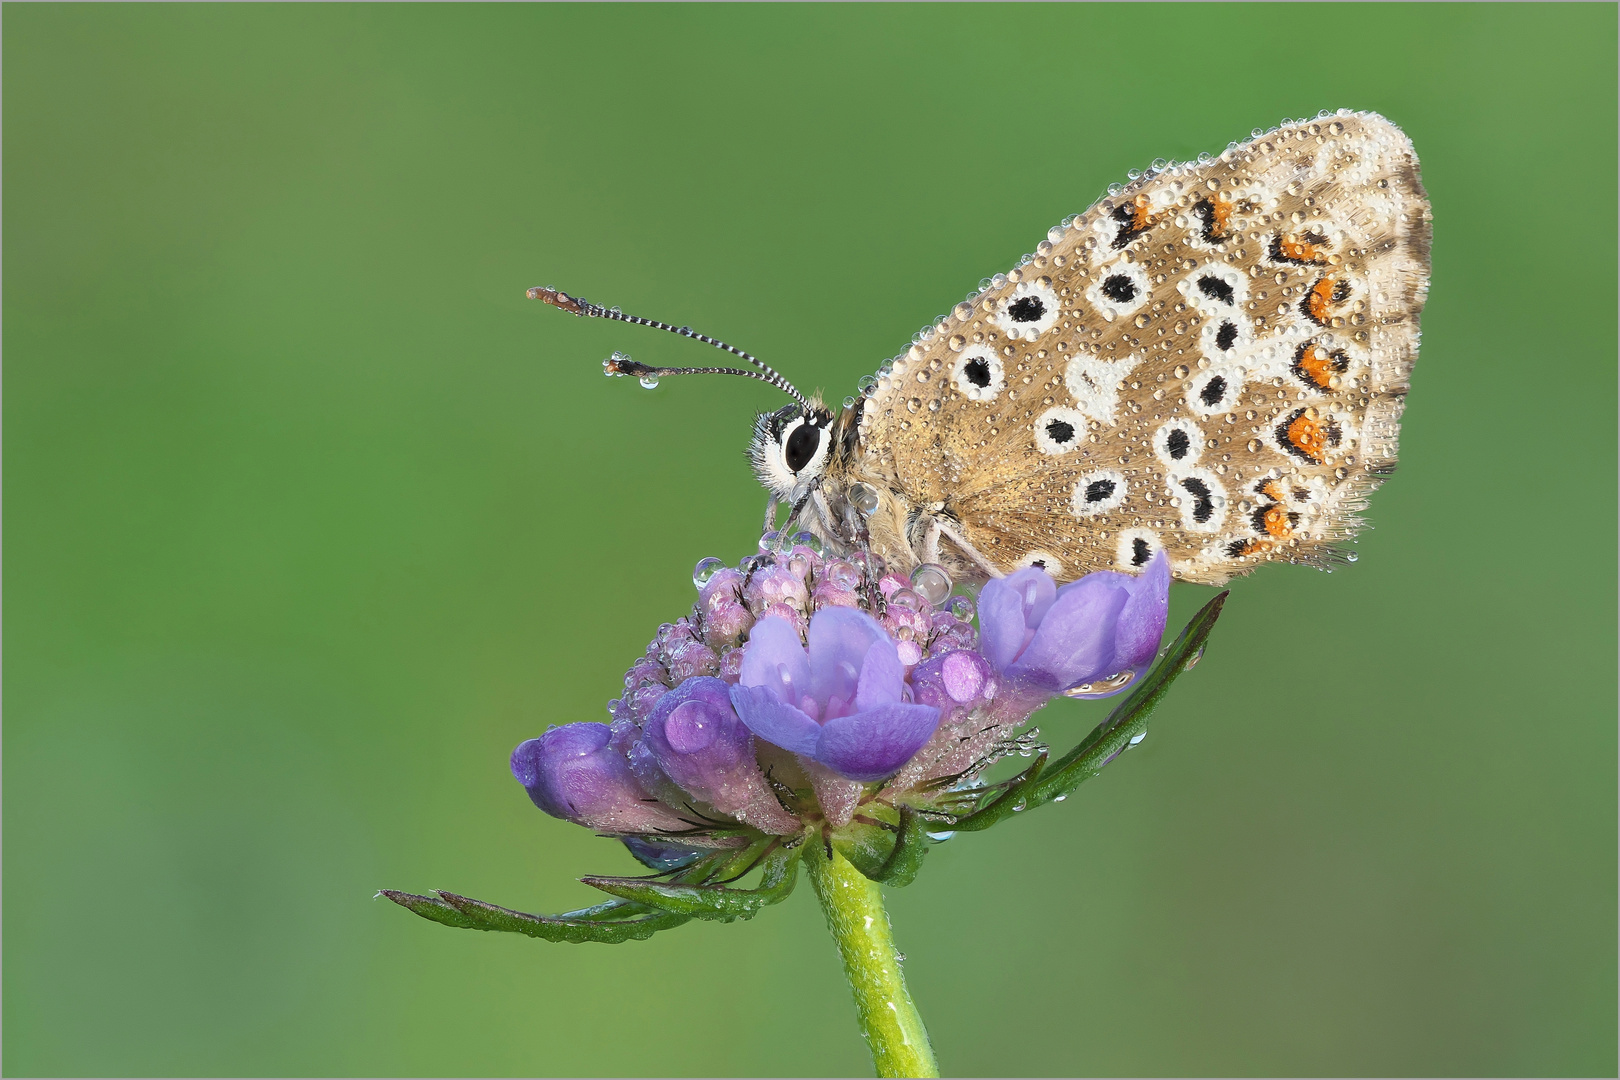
[714, 902]
[910, 845]
[1128, 721]
[606, 923]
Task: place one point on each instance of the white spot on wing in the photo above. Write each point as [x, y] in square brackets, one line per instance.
[1094, 382]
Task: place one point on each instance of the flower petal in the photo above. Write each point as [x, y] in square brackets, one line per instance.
[1075, 640]
[774, 658]
[873, 744]
[1141, 621]
[776, 723]
[883, 677]
[839, 641]
[1009, 609]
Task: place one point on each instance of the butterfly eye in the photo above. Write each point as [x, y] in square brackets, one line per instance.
[801, 446]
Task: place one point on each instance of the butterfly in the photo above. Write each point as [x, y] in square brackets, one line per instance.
[1211, 361]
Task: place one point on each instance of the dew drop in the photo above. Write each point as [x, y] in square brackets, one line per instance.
[932, 583]
[941, 837]
[649, 382]
[863, 497]
[1192, 661]
[706, 569]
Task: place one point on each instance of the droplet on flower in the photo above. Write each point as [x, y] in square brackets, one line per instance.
[932, 583]
[705, 570]
[1102, 686]
[961, 607]
[809, 540]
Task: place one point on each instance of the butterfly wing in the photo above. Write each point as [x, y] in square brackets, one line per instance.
[1211, 360]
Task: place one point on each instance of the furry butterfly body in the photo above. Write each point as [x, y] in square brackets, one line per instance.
[1211, 361]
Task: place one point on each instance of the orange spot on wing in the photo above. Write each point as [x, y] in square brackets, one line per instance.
[1309, 434]
[1277, 524]
[1310, 247]
[1272, 490]
[1141, 219]
[1318, 365]
[1319, 300]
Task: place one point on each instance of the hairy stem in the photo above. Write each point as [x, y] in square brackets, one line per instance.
[853, 905]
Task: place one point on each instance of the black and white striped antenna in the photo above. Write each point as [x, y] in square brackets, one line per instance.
[623, 365]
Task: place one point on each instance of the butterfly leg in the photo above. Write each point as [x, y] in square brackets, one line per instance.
[937, 529]
[770, 515]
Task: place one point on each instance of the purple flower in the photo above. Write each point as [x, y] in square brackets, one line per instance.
[572, 773]
[1041, 637]
[694, 739]
[842, 702]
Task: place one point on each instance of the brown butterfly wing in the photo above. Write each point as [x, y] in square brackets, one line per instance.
[1211, 360]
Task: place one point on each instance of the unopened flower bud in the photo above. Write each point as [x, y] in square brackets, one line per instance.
[572, 772]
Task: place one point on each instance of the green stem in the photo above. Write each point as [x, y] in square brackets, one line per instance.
[853, 905]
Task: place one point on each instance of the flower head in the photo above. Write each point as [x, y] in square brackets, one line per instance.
[1051, 639]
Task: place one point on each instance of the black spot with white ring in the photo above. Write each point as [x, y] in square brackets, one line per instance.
[1098, 492]
[1119, 288]
[1226, 336]
[977, 372]
[1178, 444]
[1057, 431]
[1203, 503]
[1216, 289]
[1214, 391]
[1026, 309]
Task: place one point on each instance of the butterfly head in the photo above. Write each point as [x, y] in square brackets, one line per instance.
[790, 447]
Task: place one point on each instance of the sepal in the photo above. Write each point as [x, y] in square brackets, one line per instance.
[717, 903]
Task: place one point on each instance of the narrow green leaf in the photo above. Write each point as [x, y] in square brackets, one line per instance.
[910, 845]
[1128, 721]
[607, 923]
[713, 902]
[641, 924]
[429, 907]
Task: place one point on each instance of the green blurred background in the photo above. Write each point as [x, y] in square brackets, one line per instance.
[311, 517]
